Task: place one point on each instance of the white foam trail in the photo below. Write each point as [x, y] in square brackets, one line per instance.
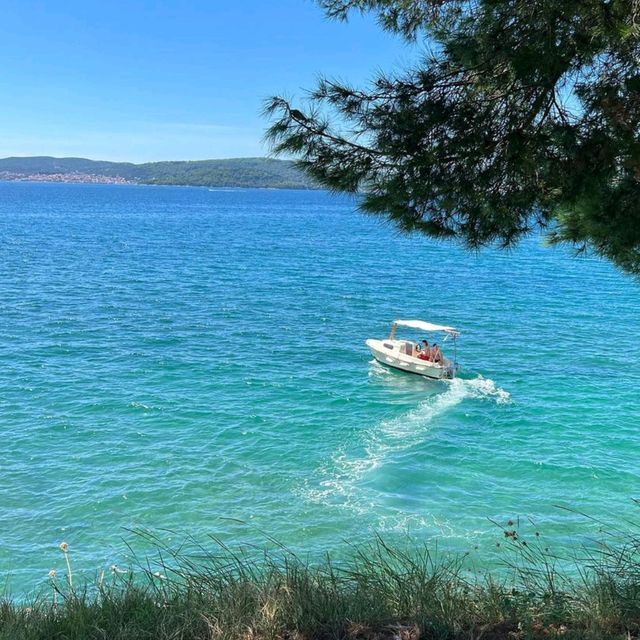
[485, 388]
[343, 473]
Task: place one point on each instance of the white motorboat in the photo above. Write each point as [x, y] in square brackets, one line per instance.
[406, 355]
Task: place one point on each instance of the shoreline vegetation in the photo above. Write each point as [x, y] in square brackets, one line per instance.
[235, 172]
[382, 592]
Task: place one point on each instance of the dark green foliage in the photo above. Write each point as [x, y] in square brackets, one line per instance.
[235, 172]
[525, 114]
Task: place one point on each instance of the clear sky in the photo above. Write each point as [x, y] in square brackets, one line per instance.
[170, 80]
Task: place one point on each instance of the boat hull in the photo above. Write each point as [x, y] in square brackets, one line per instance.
[388, 352]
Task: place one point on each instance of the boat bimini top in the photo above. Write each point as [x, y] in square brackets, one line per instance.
[424, 326]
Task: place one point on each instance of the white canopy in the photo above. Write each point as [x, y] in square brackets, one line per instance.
[426, 326]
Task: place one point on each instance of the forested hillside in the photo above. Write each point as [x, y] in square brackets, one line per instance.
[235, 172]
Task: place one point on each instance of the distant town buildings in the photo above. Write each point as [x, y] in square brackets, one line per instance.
[90, 178]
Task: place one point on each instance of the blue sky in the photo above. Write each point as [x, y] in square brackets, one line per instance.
[143, 81]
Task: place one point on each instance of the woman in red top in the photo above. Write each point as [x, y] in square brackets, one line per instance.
[425, 353]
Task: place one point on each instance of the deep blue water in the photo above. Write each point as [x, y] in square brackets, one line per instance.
[193, 360]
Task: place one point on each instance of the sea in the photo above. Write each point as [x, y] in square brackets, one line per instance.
[190, 364]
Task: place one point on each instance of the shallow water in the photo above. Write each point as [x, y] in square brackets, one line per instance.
[194, 361]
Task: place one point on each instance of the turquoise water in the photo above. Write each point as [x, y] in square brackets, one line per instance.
[193, 360]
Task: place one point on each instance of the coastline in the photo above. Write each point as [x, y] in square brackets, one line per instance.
[109, 181]
[64, 178]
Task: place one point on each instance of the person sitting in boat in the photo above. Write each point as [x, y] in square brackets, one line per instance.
[436, 354]
[425, 353]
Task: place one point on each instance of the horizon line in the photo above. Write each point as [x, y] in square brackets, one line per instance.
[146, 162]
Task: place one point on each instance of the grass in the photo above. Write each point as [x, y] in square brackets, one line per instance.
[380, 593]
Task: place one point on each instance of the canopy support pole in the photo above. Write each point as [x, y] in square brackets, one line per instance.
[455, 351]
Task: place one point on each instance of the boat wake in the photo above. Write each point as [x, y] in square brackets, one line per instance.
[344, 476]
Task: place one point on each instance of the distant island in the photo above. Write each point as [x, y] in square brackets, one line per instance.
[234, 172]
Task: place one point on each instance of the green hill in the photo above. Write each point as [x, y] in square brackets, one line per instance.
[235, 172]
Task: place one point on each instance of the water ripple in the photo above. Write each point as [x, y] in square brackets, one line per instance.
[171, 358]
